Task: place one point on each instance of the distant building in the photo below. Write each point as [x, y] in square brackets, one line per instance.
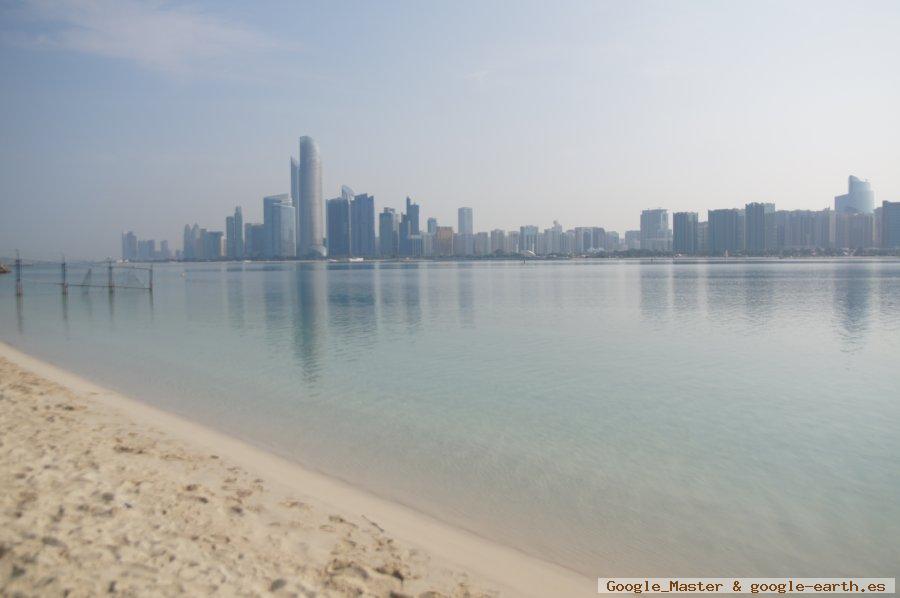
[443, 241]
[234, 235]
[859, 199]
[512, 242]
[279, 221]
[759, 219]
[528, 239]
[854, 230]
[213, 244]
[388, 233]
[254, 241]
[655, 232]
[498, 241]
[432, 225]
[890, 224]
[337, 226]
[362, 226]
[466, 245]
[684, 233]
[410, 239]
[726, 231]
[306, 178]
[632, 239]
[129, 246]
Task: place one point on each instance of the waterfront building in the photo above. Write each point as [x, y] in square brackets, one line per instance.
[512, 242]
[410, 238]
[684, 233]
[612, 240]
[482, 244]
[306, 178]
[388, 233]
[337, 224]
[890, 224]
[726, 231]
[498, 241]
[632, 240]
[213, 244]
[237, 234]
[584, 239]
[278, 219]
[443, 241]
[254, 241]
[854, 230]
[759, 219]
[703, 238]
[466, 240]
[129, 246]
[432, 225]
[362, 226]
[655, 232]
[528, 239]
[859, 199]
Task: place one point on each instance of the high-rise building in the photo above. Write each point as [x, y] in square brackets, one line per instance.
[859, 199]
[684, 237]
[432, 225]
[309, 212]
[410, 239]
[759, 222]
[443, 241]
[726, 231]
[129, 246]
[254, 241]
[498, 241]
[213, 244]
[632, 239]
[362, 226]
[854, 230]
[278, 219]
[466, 241]
[337, 223]
[238, 233]
[890, 224]
[655, 232]
[528, 239]
[388, 233]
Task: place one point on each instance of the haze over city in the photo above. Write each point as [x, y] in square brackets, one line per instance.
[585, 115]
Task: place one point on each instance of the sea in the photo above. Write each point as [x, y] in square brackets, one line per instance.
[617, 417]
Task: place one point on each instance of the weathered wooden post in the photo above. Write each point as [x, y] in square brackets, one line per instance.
[109, 275]
[151, 279]
[65, 282]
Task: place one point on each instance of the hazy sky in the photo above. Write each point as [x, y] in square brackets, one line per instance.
[116, 114]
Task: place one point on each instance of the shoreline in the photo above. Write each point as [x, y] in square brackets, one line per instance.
[474, 560]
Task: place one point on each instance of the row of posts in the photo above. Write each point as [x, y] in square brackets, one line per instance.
[65, 282]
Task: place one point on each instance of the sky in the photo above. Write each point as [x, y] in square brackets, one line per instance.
[127, 115]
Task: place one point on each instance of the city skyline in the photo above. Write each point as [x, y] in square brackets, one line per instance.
[583, 113]
[352, 230]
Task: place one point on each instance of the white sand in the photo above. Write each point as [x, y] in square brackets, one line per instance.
[100, 493]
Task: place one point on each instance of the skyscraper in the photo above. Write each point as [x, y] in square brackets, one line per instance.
[859, 199]
[655, 232]
[684, 239]
[410, 240]
[129, 246]
[726, 231]
[308, 173]
[362, 225]
[890, 224]
[278, 219]
[466, 232]
[759, 222]
[337, 220]
[432, 226]
[388, 237]
[238, 233]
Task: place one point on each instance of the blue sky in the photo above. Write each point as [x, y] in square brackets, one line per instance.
[147, 115]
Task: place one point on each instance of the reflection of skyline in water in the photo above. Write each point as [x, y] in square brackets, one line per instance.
[852, 299]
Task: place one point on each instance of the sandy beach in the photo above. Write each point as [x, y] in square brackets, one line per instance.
[104, 494]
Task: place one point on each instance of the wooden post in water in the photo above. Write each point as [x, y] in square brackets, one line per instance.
[109, 275]
[151, 279]
[18, 275]
[65, 282]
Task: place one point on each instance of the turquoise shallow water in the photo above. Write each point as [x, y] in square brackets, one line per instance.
[621, 418]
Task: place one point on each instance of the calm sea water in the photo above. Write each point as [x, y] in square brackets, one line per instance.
[619, 418]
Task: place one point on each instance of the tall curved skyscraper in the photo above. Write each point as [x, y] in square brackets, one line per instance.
[309, 195]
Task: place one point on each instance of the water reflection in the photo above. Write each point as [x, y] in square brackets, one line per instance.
[654, 283]
[852, 297]
[412, 280]
[685, 290]
[309, 315]
[759, 294]
[465, 294]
